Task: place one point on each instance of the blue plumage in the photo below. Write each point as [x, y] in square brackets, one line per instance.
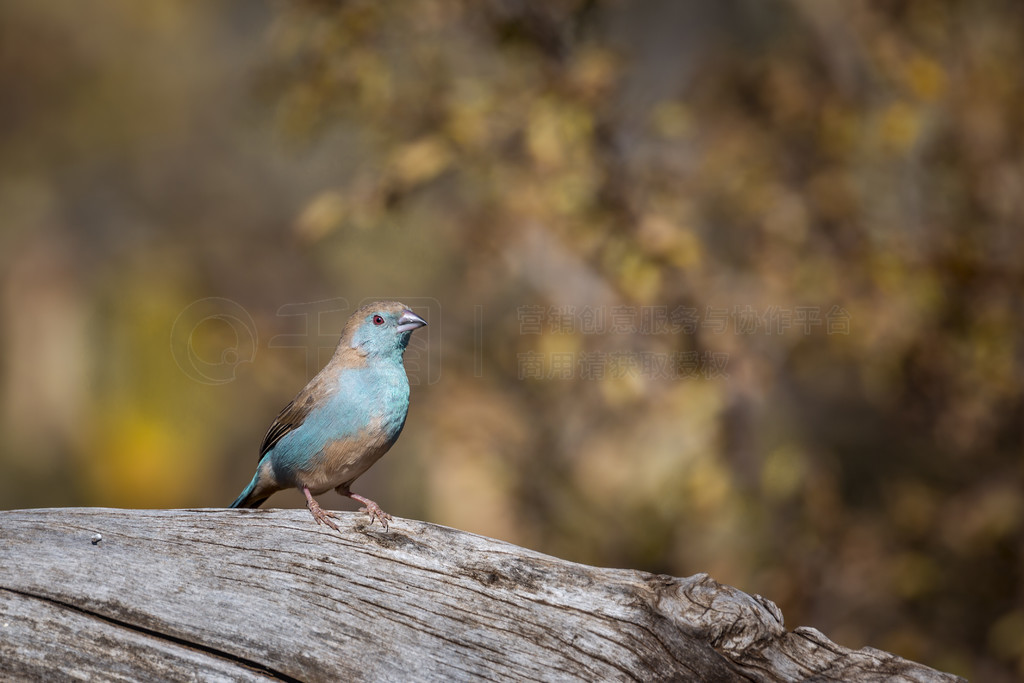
[345, 419]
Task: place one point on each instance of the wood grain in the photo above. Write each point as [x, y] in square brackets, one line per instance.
[266, 594]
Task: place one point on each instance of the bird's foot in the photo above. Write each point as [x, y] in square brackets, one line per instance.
[373, 510]
[320, 515]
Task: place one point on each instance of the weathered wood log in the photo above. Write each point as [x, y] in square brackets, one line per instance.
[266, 594]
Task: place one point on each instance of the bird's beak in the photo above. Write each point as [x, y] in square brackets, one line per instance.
[409, 321]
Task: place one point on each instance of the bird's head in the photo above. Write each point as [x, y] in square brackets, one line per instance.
[381, 328]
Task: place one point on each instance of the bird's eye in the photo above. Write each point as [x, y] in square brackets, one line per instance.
[378, 320]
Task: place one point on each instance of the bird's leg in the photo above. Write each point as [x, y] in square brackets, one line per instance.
[319, 514]
[371, 508]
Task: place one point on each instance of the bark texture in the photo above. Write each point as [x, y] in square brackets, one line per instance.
[266, 594]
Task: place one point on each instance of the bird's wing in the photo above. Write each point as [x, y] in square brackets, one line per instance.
[290, 417]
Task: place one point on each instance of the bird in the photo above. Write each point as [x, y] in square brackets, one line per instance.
[345, 419]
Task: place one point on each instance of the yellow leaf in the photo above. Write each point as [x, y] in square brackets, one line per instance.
[421, 161]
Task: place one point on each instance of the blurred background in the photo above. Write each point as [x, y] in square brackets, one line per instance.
[731, 287]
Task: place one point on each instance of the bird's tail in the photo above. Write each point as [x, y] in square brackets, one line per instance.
[249, 498]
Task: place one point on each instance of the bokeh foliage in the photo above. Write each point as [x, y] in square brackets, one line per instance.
[569, 157]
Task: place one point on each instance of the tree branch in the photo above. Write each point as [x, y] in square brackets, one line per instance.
[266, 594]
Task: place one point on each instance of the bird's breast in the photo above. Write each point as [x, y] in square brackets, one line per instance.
[360, 422]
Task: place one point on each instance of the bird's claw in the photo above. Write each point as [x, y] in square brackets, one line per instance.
[374, 511]
[322, 516]
[371, 508]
